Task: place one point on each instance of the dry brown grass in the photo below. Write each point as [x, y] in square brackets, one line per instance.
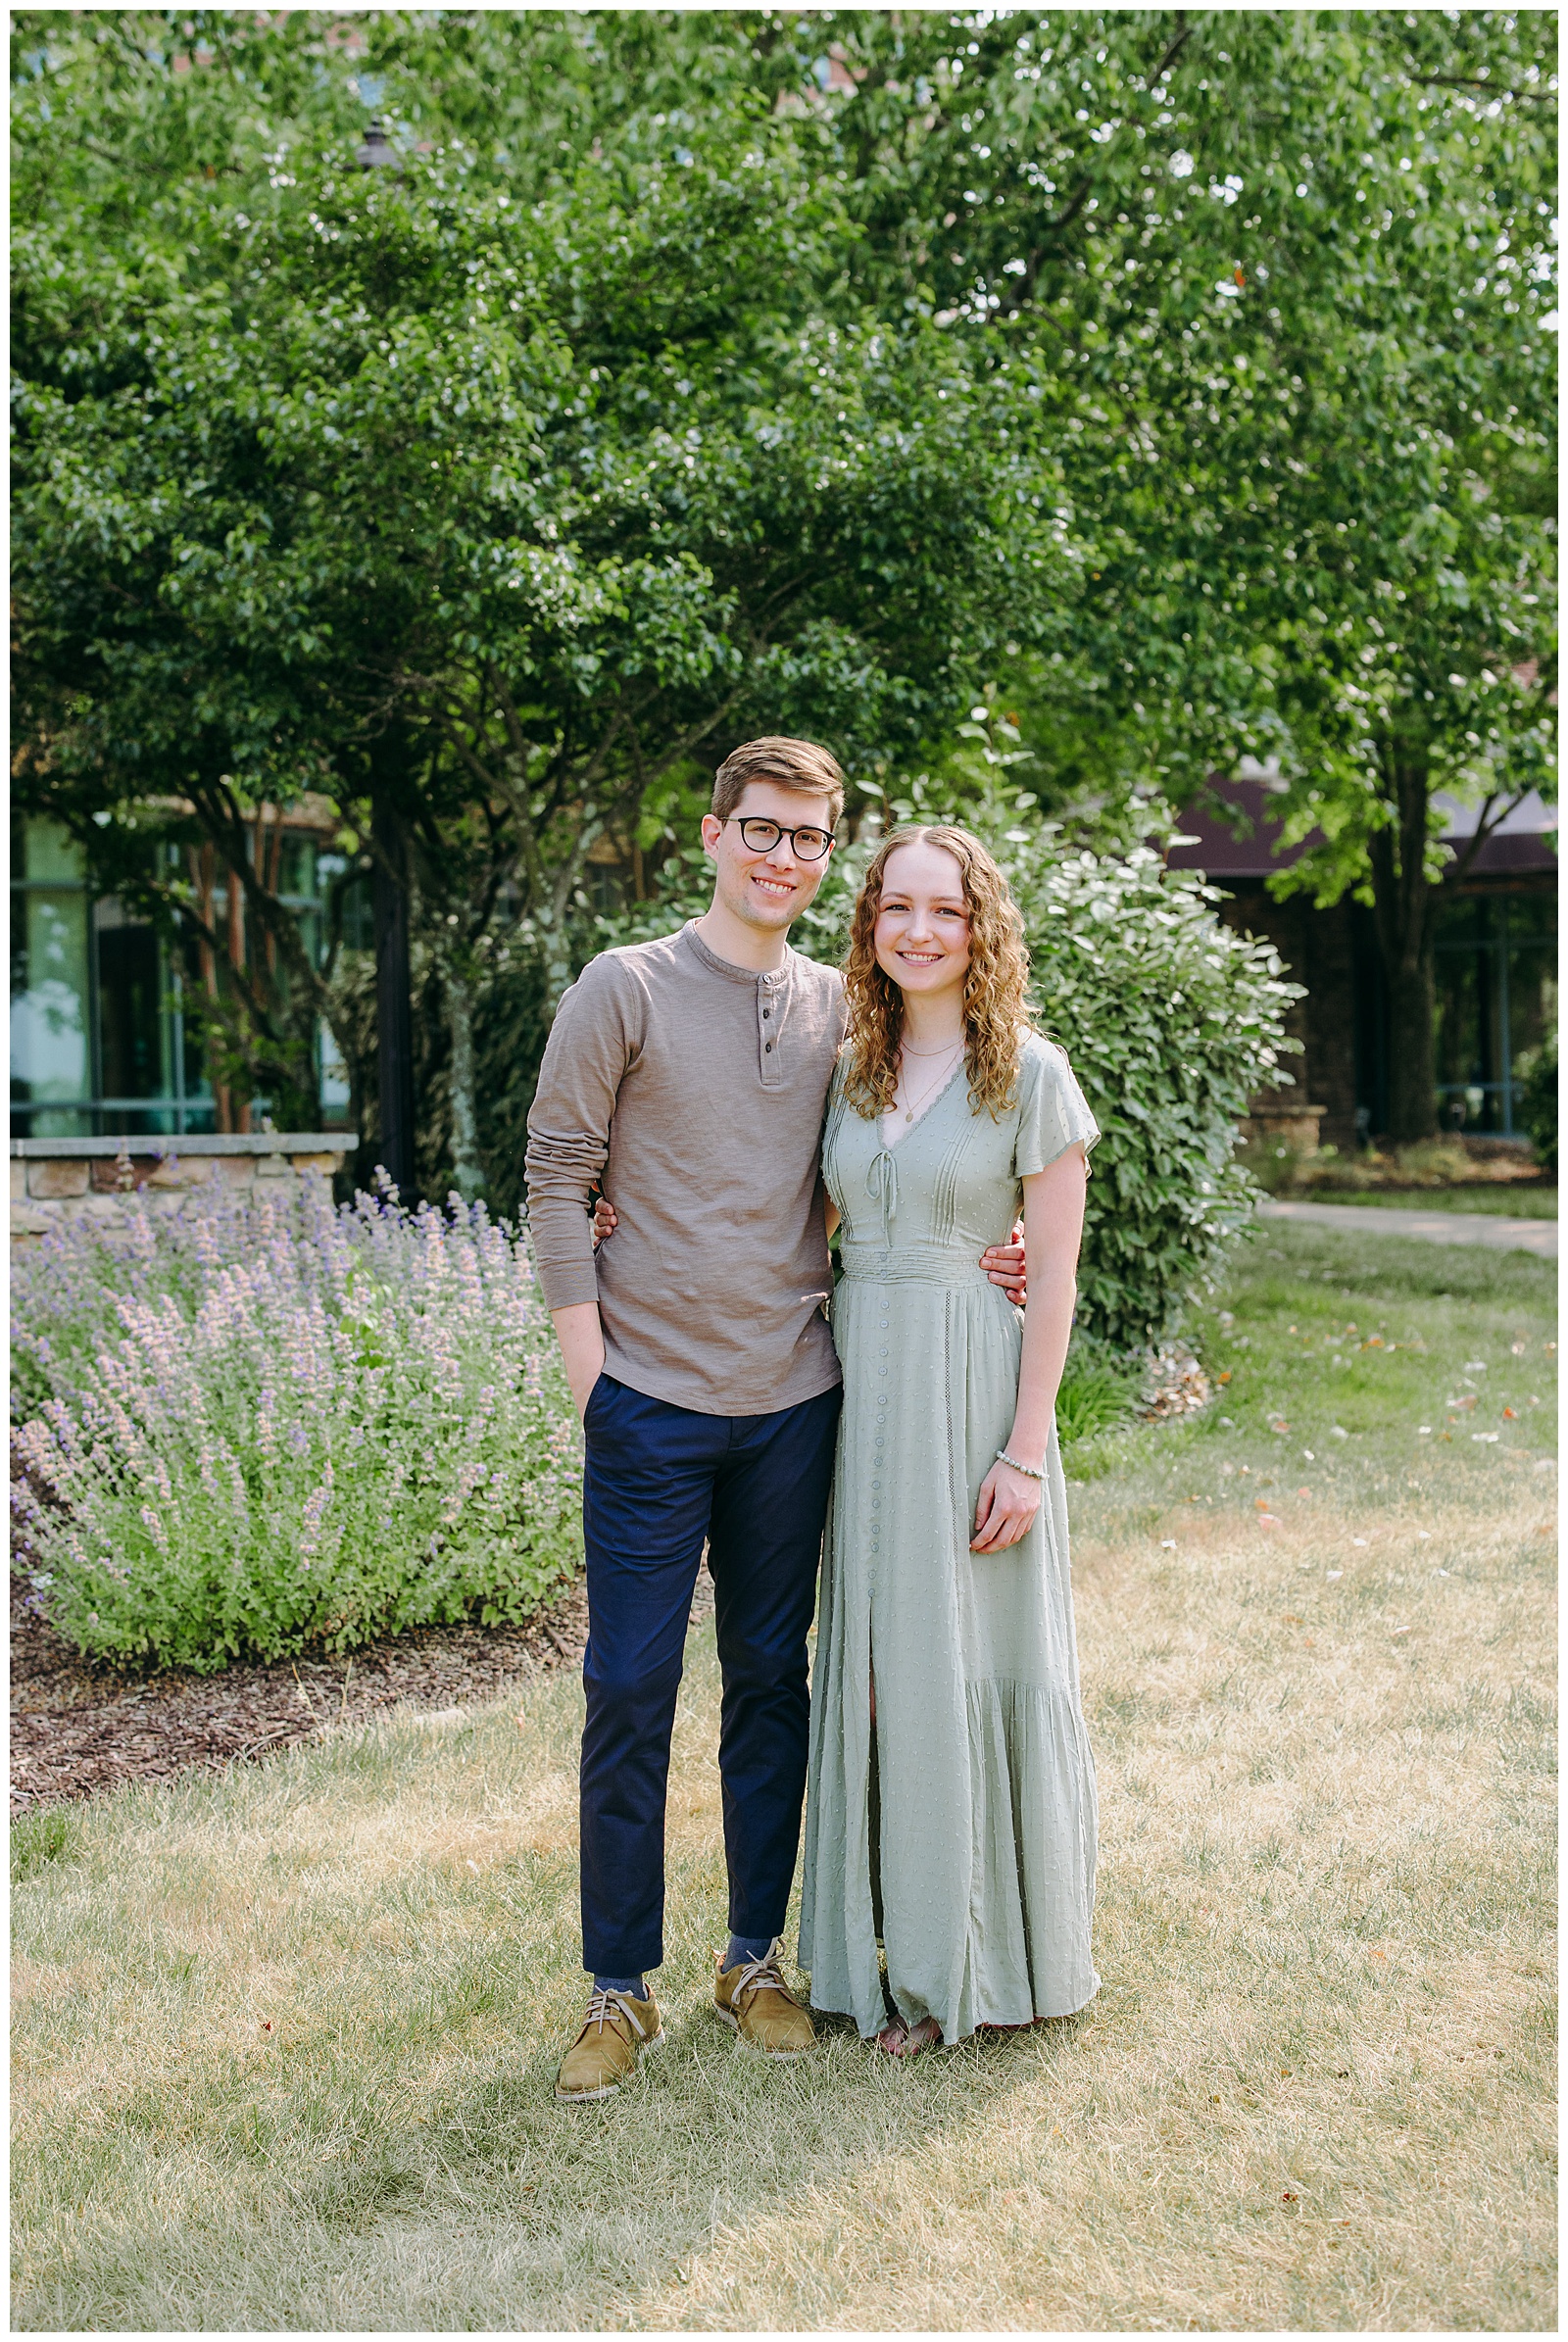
[284, 2040]
[1301, 2100]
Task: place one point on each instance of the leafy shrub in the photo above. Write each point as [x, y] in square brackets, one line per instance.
[1098, 1393]
[1537, 1107]
[1170, 1018]
[267, 1423]
[1172, 1022]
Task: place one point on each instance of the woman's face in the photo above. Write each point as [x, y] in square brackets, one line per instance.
[921, 936]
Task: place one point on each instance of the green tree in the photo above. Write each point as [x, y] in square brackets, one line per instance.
[1284, 278]
[802, 370]
[480, 519]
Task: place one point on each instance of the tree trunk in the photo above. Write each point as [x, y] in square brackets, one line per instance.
[467, 1177]
[1401, 915]
[1412, 1051]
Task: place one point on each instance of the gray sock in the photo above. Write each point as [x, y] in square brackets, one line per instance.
[633, 1986]
[746, 1947]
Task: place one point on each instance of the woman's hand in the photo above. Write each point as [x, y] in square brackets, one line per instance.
[605, 1221]
[1006, 1512]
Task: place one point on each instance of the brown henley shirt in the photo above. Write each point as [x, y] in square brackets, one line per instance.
[693, 1092]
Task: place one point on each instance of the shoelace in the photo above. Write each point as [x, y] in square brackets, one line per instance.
[602, 2006]
[758, 1975]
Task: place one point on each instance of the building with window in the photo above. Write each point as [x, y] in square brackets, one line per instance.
[1497, 966]
[100, 1042]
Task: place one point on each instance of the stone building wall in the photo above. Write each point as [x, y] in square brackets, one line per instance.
[60, 1177]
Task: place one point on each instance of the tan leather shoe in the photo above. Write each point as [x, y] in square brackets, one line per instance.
[605, 2053]
[755, 1999]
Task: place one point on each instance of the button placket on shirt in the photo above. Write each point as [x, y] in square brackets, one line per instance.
[771, 1028]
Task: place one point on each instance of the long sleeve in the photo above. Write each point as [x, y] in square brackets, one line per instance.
[586, 1056]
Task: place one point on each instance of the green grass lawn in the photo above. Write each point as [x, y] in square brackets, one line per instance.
[1507, 1201]
[283, 2039]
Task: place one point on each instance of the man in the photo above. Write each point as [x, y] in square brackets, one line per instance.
[688, 1076]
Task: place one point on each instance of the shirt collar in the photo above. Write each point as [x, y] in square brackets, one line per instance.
[774, 981]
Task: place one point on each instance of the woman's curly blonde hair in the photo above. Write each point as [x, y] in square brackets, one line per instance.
[996, 1012]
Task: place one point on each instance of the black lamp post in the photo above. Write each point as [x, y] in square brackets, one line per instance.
[377, 152]
[394, 1006]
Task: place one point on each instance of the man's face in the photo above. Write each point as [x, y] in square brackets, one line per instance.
[768, 887]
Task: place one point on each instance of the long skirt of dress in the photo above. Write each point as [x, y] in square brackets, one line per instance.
[961, 1832]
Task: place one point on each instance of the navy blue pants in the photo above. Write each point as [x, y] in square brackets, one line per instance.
[657, 1481]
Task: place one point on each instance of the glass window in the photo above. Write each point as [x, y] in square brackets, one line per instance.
[132, 1038]
[51, 1008]
[100, 1038]
[1497, 996]
[295, 866]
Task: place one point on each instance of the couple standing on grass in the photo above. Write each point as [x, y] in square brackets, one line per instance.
[714, 1083]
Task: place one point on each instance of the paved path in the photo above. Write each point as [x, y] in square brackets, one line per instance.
[1434, 1227]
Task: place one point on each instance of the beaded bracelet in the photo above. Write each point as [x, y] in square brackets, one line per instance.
[1028, 1470]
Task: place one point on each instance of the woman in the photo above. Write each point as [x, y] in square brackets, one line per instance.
[951, 1813]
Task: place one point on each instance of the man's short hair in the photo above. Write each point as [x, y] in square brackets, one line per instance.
[798, 765]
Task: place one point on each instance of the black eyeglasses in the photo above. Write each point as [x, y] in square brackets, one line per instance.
[809, 845]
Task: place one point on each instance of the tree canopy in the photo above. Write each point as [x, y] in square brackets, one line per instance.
[701, 374]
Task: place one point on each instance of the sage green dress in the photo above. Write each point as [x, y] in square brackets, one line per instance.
[962, 1831]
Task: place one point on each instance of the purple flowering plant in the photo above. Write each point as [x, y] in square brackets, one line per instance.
[267, 1424]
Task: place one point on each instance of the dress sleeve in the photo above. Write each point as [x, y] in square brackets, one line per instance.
[1053, 1114]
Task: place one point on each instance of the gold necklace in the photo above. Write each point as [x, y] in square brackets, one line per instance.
[910, 1104]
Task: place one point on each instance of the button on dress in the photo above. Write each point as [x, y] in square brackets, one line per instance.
[963, 1830]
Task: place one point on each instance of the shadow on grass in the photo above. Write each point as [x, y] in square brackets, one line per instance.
[392, 2154]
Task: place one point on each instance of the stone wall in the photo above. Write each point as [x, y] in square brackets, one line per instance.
[57, 1178]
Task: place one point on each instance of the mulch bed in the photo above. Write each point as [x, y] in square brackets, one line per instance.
[79, 1727]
